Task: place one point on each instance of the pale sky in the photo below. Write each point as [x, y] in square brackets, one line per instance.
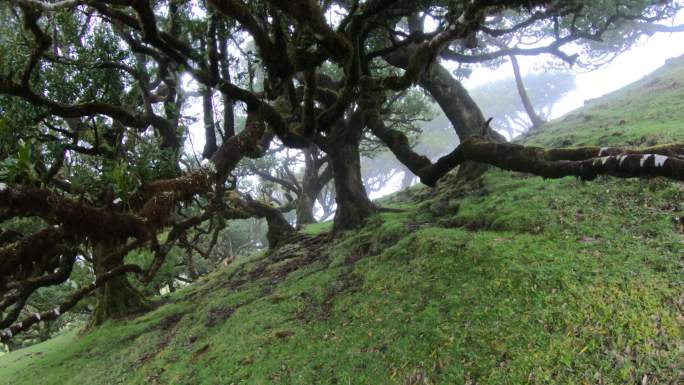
[629, 67]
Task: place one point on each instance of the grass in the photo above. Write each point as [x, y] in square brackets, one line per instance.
[644, 113]
[589, 295]
[512, 280]
[317, 228]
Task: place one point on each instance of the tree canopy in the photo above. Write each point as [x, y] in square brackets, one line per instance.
[96, 110]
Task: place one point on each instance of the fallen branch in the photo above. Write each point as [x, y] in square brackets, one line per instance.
[586, 163]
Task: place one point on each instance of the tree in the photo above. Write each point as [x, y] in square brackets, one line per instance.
[296, 179]
[92, 85]
[293, 181]
[536, 120]
[500, 100]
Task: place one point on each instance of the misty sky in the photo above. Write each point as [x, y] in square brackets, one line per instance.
[645, 57]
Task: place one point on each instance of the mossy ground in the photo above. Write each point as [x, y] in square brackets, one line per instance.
[510, 280]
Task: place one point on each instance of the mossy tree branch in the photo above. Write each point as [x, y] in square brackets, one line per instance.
[586, 163]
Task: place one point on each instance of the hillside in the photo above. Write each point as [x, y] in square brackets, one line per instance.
[644, 113]
[507, 281]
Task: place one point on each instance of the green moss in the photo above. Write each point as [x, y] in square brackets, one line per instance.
[587, 298]
[317, 228]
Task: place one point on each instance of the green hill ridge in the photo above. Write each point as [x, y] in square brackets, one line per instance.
[509, 280]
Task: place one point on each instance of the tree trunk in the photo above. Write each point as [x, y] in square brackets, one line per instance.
[305, 207]
[407, 179]
[326, 198]
[353, 205]
[228, 103]
[312, 184]
[209, 126]
[117, 297]
[279, 230]
[524, 97]
[192, 268]
[461, 110]
[306, 197]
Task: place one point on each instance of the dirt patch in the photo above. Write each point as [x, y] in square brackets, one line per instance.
[218, 315]
[169, 321]
[352, 259]
[307, 313]
[470, 225]
[168, 326]
[347, 282]
[268, 272]
[258, 271]
[199, 353]
[284, 334]
[293, 265]
[272, 269]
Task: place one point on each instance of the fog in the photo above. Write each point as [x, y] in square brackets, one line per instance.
[643, 58]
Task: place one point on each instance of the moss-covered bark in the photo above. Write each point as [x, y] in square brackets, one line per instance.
[546, 163]
[117, 297]
[304, 209]
[279, 229]
[353, 205]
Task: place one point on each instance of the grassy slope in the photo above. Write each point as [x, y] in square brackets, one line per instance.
[644, 113]
[514, 280]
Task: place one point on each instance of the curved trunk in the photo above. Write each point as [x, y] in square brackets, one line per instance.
[306, 197]
[461, 110]
[524, 97]
[312, 184]
[305, 207]
[353, 205]
[117, 297]
[279, 230]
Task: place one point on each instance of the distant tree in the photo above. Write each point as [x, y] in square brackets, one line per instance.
[501, 100]
[292, 180]
[534, 117]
